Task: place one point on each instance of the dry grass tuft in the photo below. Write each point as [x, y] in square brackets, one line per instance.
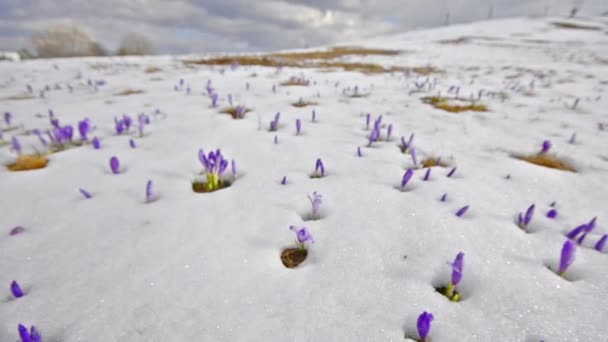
[152, 69]
[432, 161]
[303, 103]
[128, 92]
[573, 26]
[461, 106]
[546, 160]
[316, 59]
[100, 66]
[18, 97]
[233, 111]
[28, 162]
[297, 82]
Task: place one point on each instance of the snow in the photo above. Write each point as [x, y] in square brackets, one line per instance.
[206, 267]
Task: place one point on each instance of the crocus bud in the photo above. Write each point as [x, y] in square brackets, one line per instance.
[444, 197]
[85, 193]
[96, 143]
[149, 193]
[298, 126]
[457, 266]
[567, 257]
[406, 177]
[132, 143]
[115, 165]
[552, 214]
[24, 333]
[424, 325]
[367, 120]
[35, 335]
[15, 145]
[546, 146]
[462, 211]
[16, 289]
[284, 180]
[314, 116]
[601, 243]
[451, 173]
[427, 174]
[320, 168]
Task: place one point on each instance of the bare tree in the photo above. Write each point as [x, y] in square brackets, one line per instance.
[64, 41]
[135, 44]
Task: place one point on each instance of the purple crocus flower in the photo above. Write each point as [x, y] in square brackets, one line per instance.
[315, 201]
[378, 123]
[96, 143]
[373, 136]
[302, 235]
[524, 220]
[552, 213]
[443, 198]
[83, 129]
[85, 193]
[132, 143]
[284, 180]
[451, 173]
[24, 333]
[120, 126]
[298, 126]
[368, 118]
[115, 165]
[413, 153]
[67, 132]
[427, 174]
[214, 99]
[424, 325]
[359, 151]
[16, 230]
[406, 177]
[314, 116]
[35, 335]
[16, 289]
[462, 211]
[601, 243]
[546, 146]
[274, 124]
[389, 131]
[15, 145]
[567, 257]
[7, 118]
[149, 193]
[457, 268]
[127, 121]
[319, 168]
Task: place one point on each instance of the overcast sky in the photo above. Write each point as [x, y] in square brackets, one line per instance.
[181, 26]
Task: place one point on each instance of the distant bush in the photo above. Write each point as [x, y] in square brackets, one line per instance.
[65, 41]
[135, 44]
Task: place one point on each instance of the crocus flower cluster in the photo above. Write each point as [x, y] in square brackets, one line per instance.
[457, 266]
[29, 336]
[302, 236]
[524, 219]
[582, 230]
[567, 257]
[315, 201]
[61, 137]
[215, 165]
[424, 325]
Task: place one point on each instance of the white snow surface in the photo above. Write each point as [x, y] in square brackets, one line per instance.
[206, 267]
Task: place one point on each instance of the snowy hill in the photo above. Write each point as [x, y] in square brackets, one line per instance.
[177, 265]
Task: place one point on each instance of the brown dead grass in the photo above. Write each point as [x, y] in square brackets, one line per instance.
[444, 104]
[432, 161]
[295, 83]
[546, 160]
[573, 26]
[232, 111]
[19, 97]
[316, 59]
[152, 69]
[28, 162]
[128, 92]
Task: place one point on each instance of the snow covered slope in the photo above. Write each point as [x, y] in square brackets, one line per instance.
[206, 266]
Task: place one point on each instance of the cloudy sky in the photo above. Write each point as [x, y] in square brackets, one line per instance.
[181, 26]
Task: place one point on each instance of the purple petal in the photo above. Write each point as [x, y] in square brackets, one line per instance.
[529, 214]
[413, 153]
[546, 146]
[444, 197]
[457, 268]
[16, 230]
[574, 232]
[552, 214]
[149, 194]
[427, 174]
[284, 180]
[24, 334]
[451, 173]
